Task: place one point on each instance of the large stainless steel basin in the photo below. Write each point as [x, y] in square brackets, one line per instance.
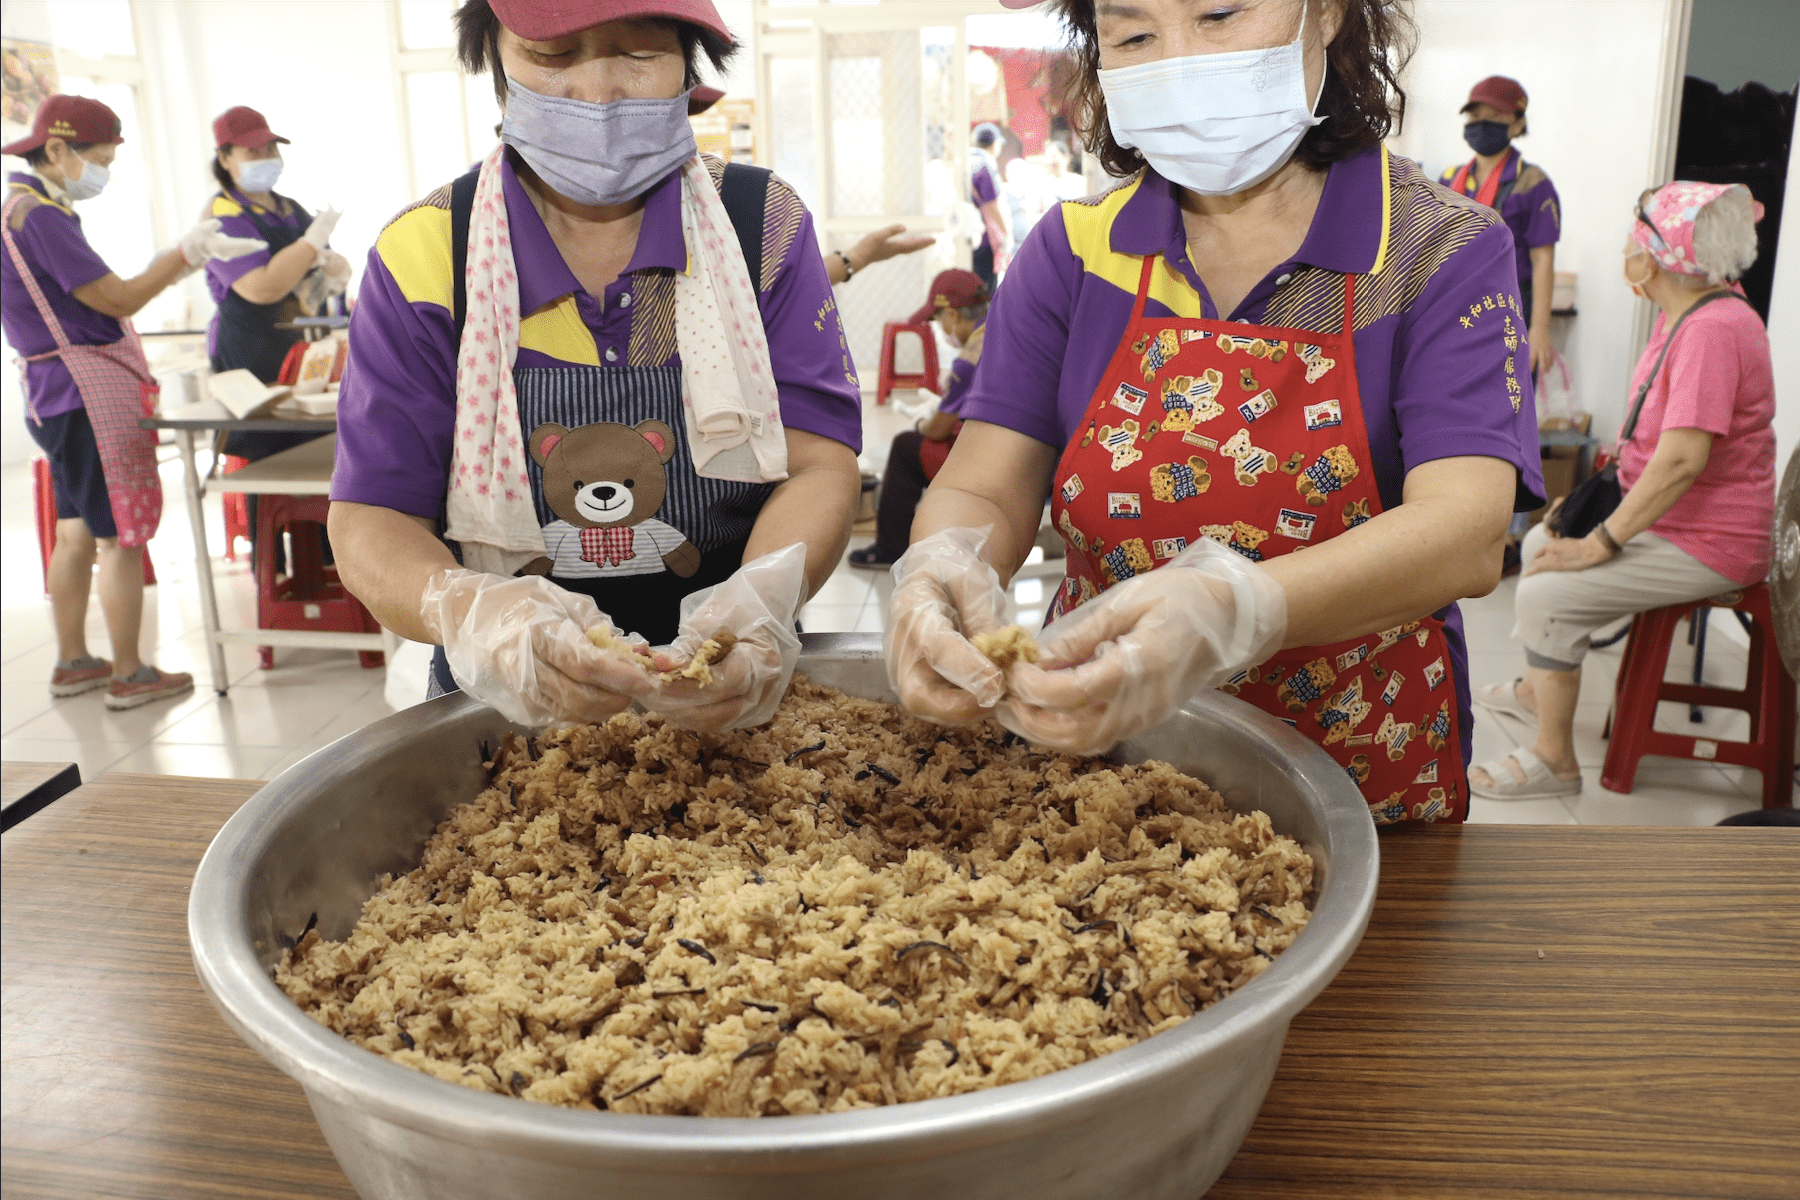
[1158, 1120]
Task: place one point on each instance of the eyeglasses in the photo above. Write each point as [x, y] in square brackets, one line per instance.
[1648, 223]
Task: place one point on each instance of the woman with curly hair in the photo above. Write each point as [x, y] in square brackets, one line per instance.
[1271, 336]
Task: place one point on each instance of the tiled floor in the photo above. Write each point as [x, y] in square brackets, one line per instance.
[272, 719]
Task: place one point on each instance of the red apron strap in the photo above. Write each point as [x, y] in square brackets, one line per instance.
[25, 273]
[1491, 188]
[1143, 295]
[1459, 183]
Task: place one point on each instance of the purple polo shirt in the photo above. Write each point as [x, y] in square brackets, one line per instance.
[983, 189]
[221, 273]
[60, 259]
[1440, 347]
[396, 405]
[1532, 210]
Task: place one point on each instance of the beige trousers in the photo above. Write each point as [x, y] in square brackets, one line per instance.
[1556, 612]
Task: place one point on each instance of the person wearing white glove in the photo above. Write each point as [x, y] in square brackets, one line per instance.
[259, 292]
[1131, 658]
[521, 645]
[757, 607]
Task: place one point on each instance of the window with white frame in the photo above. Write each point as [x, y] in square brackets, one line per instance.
[447, 116]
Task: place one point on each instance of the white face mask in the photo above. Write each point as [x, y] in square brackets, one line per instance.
[90, 183]
[259, 174]
[1214, 123]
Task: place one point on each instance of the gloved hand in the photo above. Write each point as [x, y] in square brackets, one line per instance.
[319, 232]
[521, 645]
[944, 594]
[1128, 660]
[204, 241]
[758, 605]
[337, 272]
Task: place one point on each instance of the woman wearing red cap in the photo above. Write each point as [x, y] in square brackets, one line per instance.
[598, 386]
[959, 304]
[291, 278]
[1499, 177]
[86, 386]
[1271, 337]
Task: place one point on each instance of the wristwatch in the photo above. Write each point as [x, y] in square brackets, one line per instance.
[849, 271]
[1607, 539]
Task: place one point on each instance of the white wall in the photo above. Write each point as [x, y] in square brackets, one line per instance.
[1592, 70]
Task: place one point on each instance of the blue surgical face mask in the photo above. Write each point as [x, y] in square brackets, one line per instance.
[260, 174]
[599, 154]
[90, 183]
[1215, 123]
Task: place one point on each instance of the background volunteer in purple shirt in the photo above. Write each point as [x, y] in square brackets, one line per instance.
[992, 255]
[1499, 177]
[1271, 336]
[958, 302]
[574, 426]
[295, 276]
[85, 379]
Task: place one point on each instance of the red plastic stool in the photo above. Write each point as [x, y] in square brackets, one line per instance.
[309, 596]
[1767, 695]
[887, 381]
[43, 503]
[237, 511]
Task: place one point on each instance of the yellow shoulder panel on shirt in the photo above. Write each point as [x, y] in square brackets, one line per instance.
[225, 206]
[558, 331]
[415, 248]
[1089, 228]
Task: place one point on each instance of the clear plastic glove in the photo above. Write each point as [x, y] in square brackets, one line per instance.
[336, 269]
[757, 605]
[1128, 660]
[944, 594]
[521, 645]
[204, 241]
[319, 232]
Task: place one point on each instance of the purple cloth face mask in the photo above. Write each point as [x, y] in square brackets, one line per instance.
[598, 154]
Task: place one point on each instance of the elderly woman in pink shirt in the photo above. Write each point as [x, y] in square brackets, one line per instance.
[1697, 472]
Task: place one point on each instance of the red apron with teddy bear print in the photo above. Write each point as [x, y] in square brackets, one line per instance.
[1253, 435]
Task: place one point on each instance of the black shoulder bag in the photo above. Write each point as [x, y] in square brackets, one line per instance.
[1594, 499]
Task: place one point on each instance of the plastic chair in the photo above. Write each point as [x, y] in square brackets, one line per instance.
[43, 504]
[1767, 696]
[310, 595]
[237, 511]
[887, 380]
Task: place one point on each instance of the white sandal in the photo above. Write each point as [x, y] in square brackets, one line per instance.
[1503, 698]
[1540, 783]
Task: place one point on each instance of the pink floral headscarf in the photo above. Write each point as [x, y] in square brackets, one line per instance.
[1665, 222]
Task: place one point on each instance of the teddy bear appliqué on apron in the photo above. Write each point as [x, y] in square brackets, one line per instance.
[1254, 436]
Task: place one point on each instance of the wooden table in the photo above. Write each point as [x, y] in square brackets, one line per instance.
[30, 787]
[304, 470]
[1654, 1050]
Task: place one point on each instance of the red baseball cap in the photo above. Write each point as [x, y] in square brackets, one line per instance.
[244, 126]
[547, 20]
[1498, 93]
[703, 98]
[71, 118]
[952, 289]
